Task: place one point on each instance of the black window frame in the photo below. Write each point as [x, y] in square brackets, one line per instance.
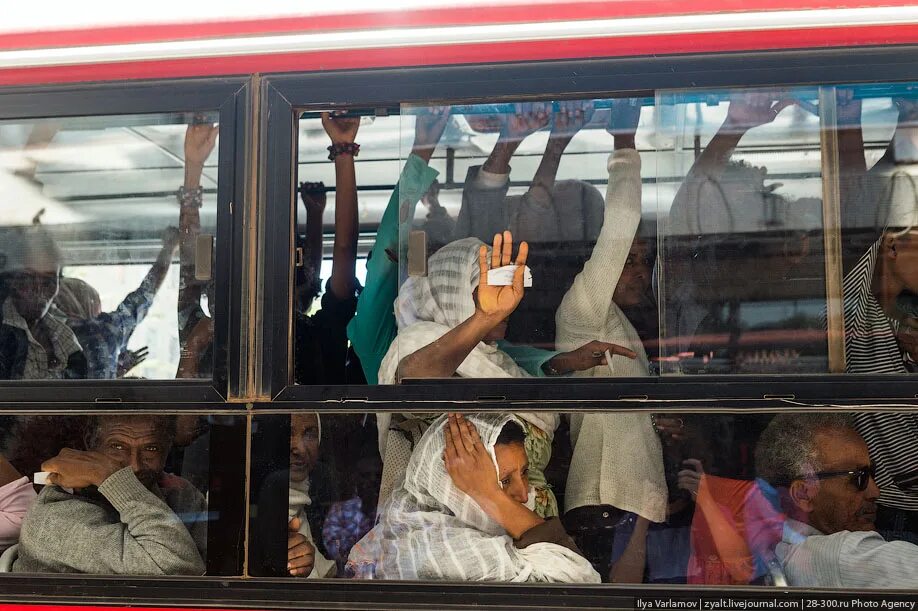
[285, 96]
[228, 96]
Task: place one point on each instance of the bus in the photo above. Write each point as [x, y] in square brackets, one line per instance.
[508, 304]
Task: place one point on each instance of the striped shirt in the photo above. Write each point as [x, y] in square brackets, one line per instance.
[871, 347]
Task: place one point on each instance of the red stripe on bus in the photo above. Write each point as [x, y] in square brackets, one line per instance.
[467, 54]
[419, 18]
[36, 607]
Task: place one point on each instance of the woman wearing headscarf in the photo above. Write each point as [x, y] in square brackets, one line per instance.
[452, 324]
[461, 513]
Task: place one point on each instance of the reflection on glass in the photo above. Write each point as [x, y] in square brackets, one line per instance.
[88, 250]
[746, 499]
[106, 503]
[742, 272]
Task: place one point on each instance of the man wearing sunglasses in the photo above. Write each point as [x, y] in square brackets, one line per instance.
[824, 477]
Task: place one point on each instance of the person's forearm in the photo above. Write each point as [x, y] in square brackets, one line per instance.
[544, 179]
[344, 258]
[625, 141]
[442, 358]
[8, 472]
[154, 278]
[730, 545]
[314, 245]
[515, 518]
[498, 162]
[189, 229]
[631, 564]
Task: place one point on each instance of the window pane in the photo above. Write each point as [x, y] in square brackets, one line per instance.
[334, 237]
[586, 306]
[128, 494]
[599, 496]
[106, 247]
[742, 269]
[878, 152]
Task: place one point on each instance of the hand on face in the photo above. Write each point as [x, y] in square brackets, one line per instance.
[467, 460]
[301, 554]
[498, 302]
[78, 469]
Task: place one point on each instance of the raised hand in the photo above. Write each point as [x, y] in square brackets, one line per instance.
[498, 302]
[340, 128]
[428, 128]
[689, 478]
[200, 140]
[624, 116]
[467, 460]
[313, 196]
[528, 118]
[749, 110]
[301, 554]
[77, 469]
[570, 117]
[128, 359]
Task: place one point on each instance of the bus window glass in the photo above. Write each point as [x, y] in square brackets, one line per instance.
[111, 494]
[559, 183]
[812, 499]
[106, 246]
[344, 192]
[878, 153]
[742, 271]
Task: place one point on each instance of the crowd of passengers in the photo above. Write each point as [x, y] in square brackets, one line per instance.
[819, 499]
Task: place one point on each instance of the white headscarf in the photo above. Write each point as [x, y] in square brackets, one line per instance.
[430, 306]
[431, 530]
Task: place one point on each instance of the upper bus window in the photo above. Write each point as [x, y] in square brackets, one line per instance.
[106, 245]
[573, 208]
[742, 269]
[878, 153]
[334, 173]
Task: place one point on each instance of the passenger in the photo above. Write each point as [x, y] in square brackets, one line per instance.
[373, 327]
[549, 211]
[16, 496]
[35, 341]
[321, 339]
[878, 334]
[452, 324]
[308, 282]
[617, 457]
[823, 472]
[350, 520]
[308, 500]
[461, 513]
[105, 337]
[124, 515]
[196, 328]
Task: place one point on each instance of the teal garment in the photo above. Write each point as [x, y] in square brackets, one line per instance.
[528, 358]
[373, 327]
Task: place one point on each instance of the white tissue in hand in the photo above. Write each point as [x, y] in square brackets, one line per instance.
[41, 478]
[503, 276]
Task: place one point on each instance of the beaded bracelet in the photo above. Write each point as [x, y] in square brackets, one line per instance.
[343, 148]
[190, 197]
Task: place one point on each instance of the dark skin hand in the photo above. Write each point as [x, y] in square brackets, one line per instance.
[78, 469]
[301, 554]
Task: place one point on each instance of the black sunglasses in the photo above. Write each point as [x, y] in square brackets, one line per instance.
[859, 477]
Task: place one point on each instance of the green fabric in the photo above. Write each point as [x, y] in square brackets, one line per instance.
[529, 358]
[373, 327]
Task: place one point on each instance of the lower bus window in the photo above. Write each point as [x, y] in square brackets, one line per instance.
[106, 242]
[805, 499]
[109, 494]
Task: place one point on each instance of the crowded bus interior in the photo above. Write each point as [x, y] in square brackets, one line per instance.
[452, 292]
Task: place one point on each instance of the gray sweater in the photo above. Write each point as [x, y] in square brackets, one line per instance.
[140, 533]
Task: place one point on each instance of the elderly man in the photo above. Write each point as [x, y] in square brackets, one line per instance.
[124, 515]
[825, 480]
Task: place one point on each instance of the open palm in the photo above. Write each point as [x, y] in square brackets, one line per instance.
[500, 301]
